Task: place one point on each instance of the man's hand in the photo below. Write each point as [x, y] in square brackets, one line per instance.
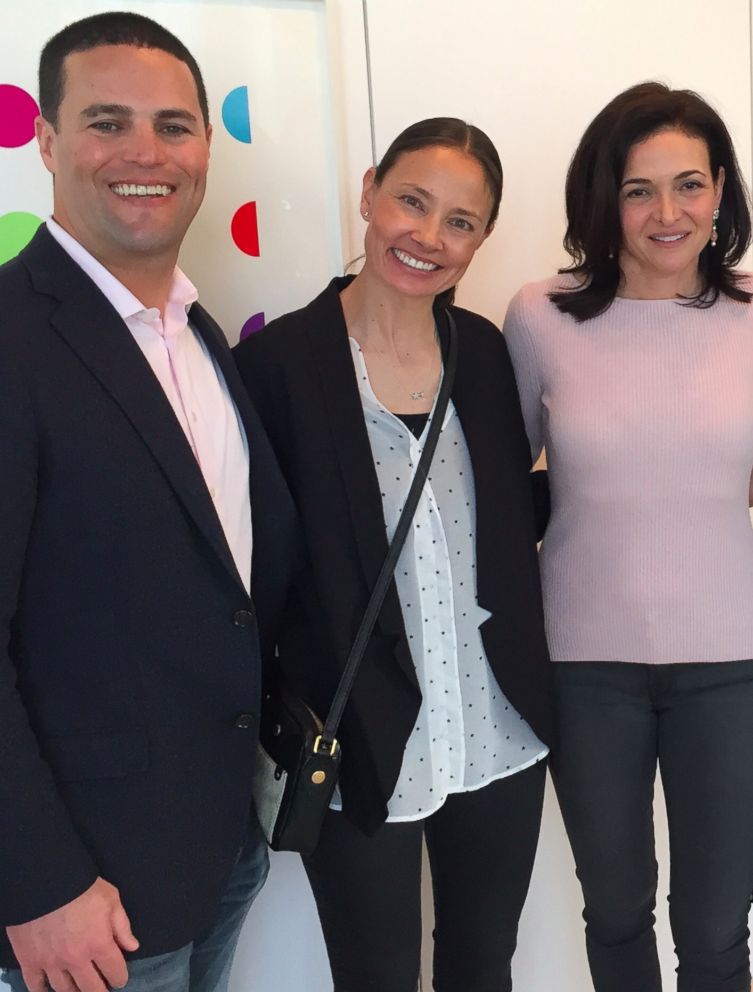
[77, 948]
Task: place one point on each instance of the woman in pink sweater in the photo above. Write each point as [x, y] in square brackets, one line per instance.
[635, 369]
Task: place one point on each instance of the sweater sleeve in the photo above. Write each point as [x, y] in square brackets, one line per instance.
[525, 362]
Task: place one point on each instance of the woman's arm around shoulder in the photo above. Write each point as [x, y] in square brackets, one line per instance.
[527, 314]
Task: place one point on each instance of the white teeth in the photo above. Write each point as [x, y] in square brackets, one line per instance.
[667, 237]
[126, 189]
[414, 263]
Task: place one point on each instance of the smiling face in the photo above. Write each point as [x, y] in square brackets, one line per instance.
[426, 220]
[667, 199]
[129, 155]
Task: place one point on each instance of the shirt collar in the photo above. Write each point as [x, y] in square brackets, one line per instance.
[182, 292]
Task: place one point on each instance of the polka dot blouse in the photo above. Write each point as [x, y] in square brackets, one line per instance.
[467, 733]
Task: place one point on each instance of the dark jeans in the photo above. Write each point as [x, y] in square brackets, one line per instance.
[368, 890]
[615, 721]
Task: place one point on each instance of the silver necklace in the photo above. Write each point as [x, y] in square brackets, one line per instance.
[419, 394]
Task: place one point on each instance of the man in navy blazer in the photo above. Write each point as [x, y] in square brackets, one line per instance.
[136, 479]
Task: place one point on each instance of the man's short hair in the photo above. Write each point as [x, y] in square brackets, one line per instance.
[111, 28]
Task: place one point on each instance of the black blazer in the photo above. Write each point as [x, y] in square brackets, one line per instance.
[129, 648]
[300, 375]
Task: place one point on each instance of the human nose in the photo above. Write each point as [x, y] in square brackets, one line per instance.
[144, 147]
[427, 232]
[667, 208]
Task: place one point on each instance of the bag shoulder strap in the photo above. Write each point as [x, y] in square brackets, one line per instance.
[327, 741]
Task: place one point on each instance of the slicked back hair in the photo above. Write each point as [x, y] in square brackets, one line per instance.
[111, 28]
[594, 234]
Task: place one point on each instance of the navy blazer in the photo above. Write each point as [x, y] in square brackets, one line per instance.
[129, 648]
[299, 372]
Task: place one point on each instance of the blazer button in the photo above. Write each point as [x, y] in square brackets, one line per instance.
[243, 618]
[244, 721]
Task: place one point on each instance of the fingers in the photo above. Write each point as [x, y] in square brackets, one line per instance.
[34, 979]
[77, 947]
[113, 968]
[108, 974]
[60, 981]
[85, 978]
[121, 929]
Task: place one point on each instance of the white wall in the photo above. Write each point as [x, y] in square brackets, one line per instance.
[532, 75]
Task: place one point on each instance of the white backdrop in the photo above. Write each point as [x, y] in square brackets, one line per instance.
[532, 75]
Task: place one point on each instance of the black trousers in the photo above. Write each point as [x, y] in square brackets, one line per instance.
[368, 890]
[616, 720]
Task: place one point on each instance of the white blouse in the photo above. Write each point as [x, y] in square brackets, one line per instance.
[467, 733]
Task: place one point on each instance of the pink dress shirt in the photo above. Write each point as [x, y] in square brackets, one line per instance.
[195, 388]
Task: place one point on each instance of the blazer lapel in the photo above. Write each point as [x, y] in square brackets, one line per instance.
[101, 339]
[328, 338]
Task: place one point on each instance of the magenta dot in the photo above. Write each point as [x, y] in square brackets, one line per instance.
[18, 110]
[254, 323]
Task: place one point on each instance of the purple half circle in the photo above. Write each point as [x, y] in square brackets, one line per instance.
[254, 323]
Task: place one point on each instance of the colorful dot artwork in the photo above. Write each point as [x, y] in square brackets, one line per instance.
[18, 110]
[16, 231]
[254, 323]
[244, 227]
[245, 230]
[235, 114]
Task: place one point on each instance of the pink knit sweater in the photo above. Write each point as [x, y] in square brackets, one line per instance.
[646, 414]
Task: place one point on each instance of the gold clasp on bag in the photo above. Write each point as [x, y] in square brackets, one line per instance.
[318, 777]
[333, 747]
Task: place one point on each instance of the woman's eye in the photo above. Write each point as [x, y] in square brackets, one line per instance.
[412, 201]
[636, 194]
[692, 184]
[461, 223]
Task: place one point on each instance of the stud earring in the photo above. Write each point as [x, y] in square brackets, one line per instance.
[365, 214]
[714, 233]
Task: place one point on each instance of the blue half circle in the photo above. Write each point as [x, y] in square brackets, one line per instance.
[235, 114]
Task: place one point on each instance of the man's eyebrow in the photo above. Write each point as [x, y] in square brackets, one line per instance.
[121, 110]
[176, 114]
[100, 109]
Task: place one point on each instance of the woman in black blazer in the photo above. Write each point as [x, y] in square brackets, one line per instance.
[444, 734]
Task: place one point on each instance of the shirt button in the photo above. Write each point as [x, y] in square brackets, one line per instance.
[213, 493]
[244, 721]
[243, 618]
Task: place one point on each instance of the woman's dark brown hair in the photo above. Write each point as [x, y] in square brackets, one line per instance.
[594, 235]
[449, 132]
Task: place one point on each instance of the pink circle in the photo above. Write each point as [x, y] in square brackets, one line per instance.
[18, 110]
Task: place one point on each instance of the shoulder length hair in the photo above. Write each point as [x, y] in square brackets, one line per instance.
[594, 234]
